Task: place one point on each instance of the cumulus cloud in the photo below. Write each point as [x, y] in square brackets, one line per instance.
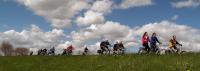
[186, 3]
[102, 6]
[59, 13]
[134, 3]
[33, 38]
[90, 17]
[95, 15]
[112, 31]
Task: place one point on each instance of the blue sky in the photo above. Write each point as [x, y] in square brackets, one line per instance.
[161, 10]
[18, 17]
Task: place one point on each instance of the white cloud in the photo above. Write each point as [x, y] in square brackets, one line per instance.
[110, 30]
[134, 3]
[113, 30]
[33, 38]
[90, 17]
[175, 17]
[93, 34]
[59, 13]
[95, 15]
[102, 6]
[186, 3]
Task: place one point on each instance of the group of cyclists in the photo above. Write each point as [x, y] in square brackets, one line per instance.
[153, 40]
[45, 51]
[118, 48]
[149, 46]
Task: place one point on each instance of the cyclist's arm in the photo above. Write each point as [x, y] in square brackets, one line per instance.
[158, 41]
[178, 43]
[122, 46]
[149, 39]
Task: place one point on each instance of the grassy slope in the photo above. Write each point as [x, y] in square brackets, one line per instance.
[101, 63]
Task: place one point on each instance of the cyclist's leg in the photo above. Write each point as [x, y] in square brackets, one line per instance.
[144, 47]
[147, 47]
[102, 49]
[157, 48]
[153, 48]
[177, 49]
[107, 50]
[114, 50]
[173, 49]
[123, 50]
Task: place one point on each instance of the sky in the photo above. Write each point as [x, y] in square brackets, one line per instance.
[39, 24]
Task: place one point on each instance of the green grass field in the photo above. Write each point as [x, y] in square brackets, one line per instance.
[131, 62]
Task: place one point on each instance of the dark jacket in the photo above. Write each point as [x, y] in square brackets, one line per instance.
[154, 40]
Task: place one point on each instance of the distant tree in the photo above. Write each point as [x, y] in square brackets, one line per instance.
[21, 51]
[6, 48]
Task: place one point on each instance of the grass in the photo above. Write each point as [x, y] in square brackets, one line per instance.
[131, 62]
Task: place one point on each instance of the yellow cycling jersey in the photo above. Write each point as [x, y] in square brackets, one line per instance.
[172, 43]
